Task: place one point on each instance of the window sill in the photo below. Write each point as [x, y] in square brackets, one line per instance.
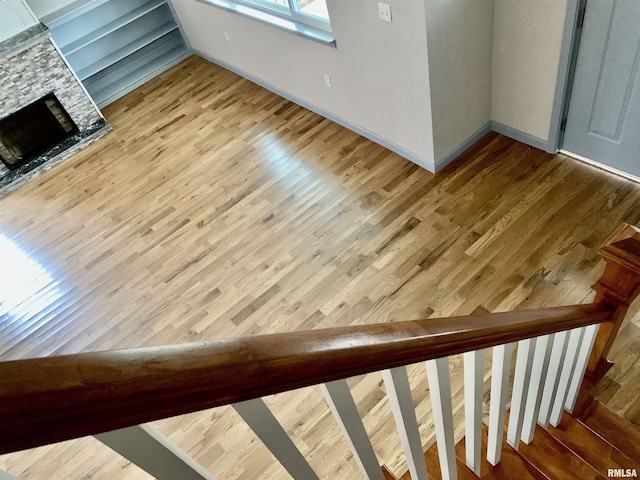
[287, 25]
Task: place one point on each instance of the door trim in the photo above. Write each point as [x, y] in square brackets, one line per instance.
[566, 70]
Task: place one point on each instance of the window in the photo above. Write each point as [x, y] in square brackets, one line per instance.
[309, 18]
[307, 12]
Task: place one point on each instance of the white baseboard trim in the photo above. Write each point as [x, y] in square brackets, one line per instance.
[460, 149]
[520, 136]
[374, 137]
[427, 164]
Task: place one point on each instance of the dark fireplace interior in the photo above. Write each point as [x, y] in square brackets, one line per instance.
[33, 130]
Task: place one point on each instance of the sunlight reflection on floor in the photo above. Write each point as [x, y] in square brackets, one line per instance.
[22, 280]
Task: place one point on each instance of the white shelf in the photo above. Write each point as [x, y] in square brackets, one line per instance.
[111, 27]
[122, 77]
[127, 50]
[115, 46]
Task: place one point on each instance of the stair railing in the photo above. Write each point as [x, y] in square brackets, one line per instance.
[112, 394]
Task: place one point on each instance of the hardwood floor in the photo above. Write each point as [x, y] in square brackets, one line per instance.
[216, 208]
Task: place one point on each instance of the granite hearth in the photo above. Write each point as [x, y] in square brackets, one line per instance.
[31, 67]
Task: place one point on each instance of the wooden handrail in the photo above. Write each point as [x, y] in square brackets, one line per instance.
[58, 398]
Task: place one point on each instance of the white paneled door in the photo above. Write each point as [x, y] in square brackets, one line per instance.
[604, 112]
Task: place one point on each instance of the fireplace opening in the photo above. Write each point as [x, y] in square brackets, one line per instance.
[34, 130]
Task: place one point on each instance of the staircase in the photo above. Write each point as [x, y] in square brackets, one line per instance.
[600, 446]
[543, 422]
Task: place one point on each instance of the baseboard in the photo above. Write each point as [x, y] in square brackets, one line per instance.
[459, 150]
[374, 137]
[519, 135]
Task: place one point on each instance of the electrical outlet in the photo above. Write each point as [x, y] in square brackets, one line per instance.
[384, 12]
[226, 35]
[327, 80]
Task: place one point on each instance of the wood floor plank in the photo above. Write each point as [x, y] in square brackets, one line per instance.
[216, 208]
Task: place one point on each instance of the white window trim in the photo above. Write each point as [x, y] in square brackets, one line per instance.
[298, 24]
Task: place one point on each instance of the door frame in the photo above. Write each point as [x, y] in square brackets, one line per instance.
[572, 31]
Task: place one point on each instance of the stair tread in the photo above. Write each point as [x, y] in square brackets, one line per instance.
[615, 430]
[433, 467]
[578, 450]
[511, 465]
[555, 460]
[387, 474]
[591, 447]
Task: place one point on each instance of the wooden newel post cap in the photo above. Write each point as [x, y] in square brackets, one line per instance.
[620, 282]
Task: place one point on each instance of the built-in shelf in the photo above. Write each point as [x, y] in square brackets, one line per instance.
[111, 27]
[127, 50]
[123, 76]
[116, 45]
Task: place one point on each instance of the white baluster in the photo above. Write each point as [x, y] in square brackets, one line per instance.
[500, 370]
[538, 375]
[5, 476]
[586, 346]
[396, 382]
[568, 364]
[473, 390]
[524, 363]
[440, 393]
[558, 352]
[154, 453]
[344, 410]
[258, 416]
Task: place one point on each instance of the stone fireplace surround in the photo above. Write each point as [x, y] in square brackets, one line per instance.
[30, 68]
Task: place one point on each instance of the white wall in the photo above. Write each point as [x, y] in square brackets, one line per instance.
[379, 71]
[460, 37]
[526, 50]
[424, 83]
[15, 17]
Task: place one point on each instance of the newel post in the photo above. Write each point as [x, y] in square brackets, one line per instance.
[618, 286]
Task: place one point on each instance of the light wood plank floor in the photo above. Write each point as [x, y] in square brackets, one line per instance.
[216, 208]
